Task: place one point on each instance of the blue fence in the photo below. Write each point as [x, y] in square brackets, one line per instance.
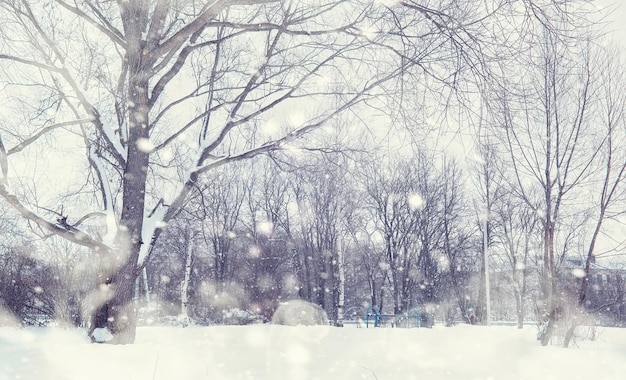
[409, 319]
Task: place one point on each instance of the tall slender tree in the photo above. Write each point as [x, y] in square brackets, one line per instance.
[551, 143]
[611, 173]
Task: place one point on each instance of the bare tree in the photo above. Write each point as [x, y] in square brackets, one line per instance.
[26, 294]
[219, 205]
[490, 191]
[611, 174]
[551, 143]
[323, 193]
[394, 201]
[184, 284]
[115, 77]
[518, 238]
[408, 200]
[144, 97]
[269, 253]
[457, 237]
[369, 255]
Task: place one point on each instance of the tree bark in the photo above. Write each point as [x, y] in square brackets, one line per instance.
[184, 286]
[341, 290]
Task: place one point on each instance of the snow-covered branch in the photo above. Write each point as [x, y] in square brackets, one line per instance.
[31, 139]
[63, 230]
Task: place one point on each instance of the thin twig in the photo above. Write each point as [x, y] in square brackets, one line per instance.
[156, 363]
[370, 371]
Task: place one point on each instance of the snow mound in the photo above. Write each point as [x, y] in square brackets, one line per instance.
[101, 335]
[298, 312]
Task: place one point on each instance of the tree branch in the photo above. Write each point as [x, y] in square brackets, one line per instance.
[72, 234]
[43, 131]
[31, 63]
[4, 166]
[108, 29]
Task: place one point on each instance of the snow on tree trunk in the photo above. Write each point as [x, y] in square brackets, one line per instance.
[184, 287]
[122, 320]
[299, 312]
[146, 288]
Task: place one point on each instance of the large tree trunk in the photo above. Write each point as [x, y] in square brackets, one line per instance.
[121, 311]
[118, 313]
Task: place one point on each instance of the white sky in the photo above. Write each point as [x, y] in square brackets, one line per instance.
[616, 17]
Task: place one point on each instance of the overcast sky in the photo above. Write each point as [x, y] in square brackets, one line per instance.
[617, 17]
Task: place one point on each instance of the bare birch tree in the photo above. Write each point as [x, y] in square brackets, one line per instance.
[489, 191]
[322, 199]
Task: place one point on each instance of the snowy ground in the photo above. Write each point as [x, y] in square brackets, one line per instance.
[279, 352]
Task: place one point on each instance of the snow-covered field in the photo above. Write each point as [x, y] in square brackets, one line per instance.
[281, 352]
